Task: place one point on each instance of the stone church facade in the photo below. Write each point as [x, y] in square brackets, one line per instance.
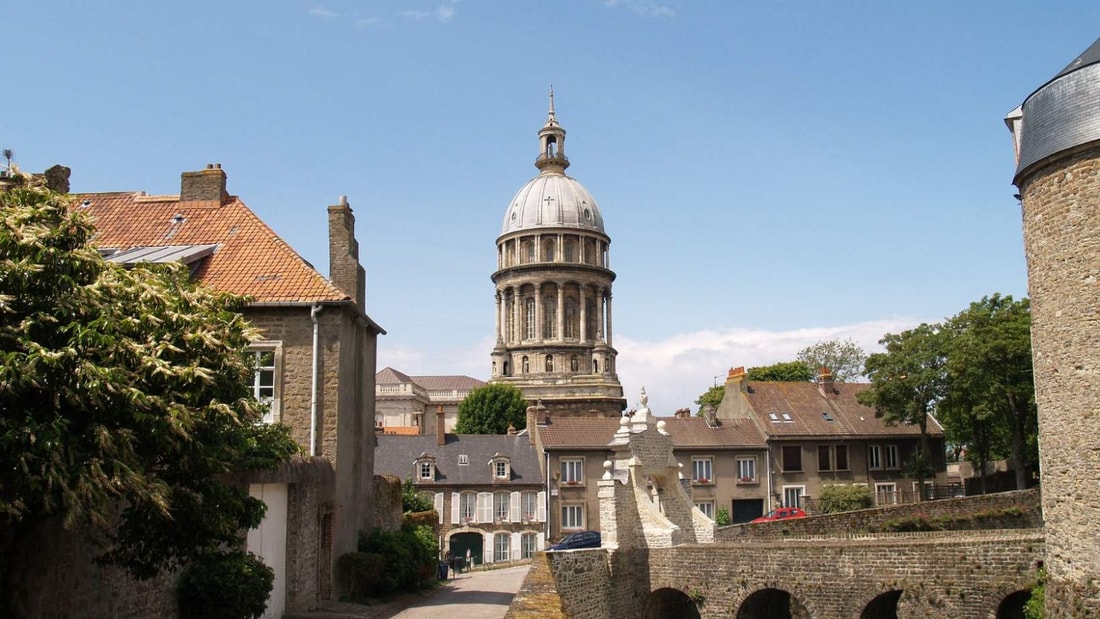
[553, 291]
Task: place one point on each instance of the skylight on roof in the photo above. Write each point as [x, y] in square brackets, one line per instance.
[827, 416]
[787, 418]
[773, 417]
[463, 459]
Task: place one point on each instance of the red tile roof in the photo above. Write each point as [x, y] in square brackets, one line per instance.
[250, 258]
[591, 433]
[806, 407]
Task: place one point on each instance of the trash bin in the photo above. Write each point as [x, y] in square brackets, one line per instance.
[442, 570]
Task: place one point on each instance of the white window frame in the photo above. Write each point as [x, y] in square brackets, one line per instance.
[502, 504]
[746, 465]
[707, 507]
[529, 506]
[890, 460]
[572, 471]
[425, 470]
[501, 469]
[888, 491]
[702, 469]
[467, 507]
[874, 457]
[529, 331]
[502, 547]
[572, 517]
[793, 491]
[255, 351]
[528, 545]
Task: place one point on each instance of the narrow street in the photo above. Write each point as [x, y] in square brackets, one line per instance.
[475, 595]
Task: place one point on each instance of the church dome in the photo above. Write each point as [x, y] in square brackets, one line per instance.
[552, 200]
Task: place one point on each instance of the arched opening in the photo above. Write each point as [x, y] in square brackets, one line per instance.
[548, 252]
[574, 363]
[551, 146]
[549, 363]
[526, 365]
[771, 604]
[569, 252]
[884, 606]
[1012, 607]
[467, 546]
[665, 603]
[506, 369]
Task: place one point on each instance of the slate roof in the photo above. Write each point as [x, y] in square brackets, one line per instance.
[459, 382]
[595, 433]
[395, 454]
[390, 376]
[250, 259]
[806, 407]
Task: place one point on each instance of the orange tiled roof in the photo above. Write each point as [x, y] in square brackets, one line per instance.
[250, 258]
[402, 430]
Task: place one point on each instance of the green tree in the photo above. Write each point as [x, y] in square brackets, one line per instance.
[844, 359]
[123, 396]
[491, 409]
[411, 500]
[711, 397]
[844, 498]
[784, 371]
[907, 380]
[989, 398]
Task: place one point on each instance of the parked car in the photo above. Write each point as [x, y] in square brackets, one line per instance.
[582, 539]
[783, 513]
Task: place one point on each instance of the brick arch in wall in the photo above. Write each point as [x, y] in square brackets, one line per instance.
[1012, 606]
[883, 605]
[668, 602]
[772, 603]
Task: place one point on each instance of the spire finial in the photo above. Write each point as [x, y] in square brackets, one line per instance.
[551, 119]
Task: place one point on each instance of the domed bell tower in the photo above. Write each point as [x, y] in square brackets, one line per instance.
[553, 291]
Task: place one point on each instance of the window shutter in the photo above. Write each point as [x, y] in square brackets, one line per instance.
[515, 516]
[514, 548]
[438, 504]
[484, 506]
[488, 549]
[540, 542]
[454, 508]
[542, 507]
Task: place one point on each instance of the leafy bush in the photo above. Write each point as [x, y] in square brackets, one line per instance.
[411, 501]
[225, 585]
[361, 574]
[844, 498]
[408, 560]
[722, 518]
[1034, 607]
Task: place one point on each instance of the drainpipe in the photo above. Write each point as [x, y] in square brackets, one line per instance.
[771, 487]
[546, 540]
[315, 387]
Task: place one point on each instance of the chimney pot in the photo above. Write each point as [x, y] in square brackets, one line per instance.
[204, 185]
[440, 428]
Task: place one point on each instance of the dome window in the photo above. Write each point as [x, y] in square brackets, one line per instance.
[587, 214]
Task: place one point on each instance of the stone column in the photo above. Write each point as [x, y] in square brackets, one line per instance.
[516, 327]
[561, 311]
[601, 327]
[584, 314]
[608, 332]
[500, 338]
[538, 312]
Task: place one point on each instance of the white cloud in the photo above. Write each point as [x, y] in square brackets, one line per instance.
[320, 11]
[415, 15]
[445, 12]
[674, 370]
[645, 8]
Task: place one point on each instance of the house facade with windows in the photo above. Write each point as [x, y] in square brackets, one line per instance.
[488, 490]
[723, 466]
[410, 404]
[819, 434]
[314, 357]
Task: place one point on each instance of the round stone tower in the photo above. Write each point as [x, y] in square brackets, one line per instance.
[1057, 138]
[553, 291]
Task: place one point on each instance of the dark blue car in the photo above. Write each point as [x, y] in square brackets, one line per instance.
[582, 539]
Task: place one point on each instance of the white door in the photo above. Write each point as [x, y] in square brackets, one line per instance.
[268, 541]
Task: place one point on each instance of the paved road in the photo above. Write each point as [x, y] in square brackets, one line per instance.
[475, 595]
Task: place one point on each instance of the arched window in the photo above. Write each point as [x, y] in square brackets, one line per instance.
[549, 363]
[595, 366]
[549, 318]
[526, 365]
[569, 252]
[548, 252]
[571, 317]
[590, 315]
[529, 319]
[506, 369]
[574, 364]
[529, 249]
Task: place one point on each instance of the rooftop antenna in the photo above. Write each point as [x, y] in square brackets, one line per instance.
[8, 154]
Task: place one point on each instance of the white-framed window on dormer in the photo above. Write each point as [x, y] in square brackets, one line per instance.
[426, 470]
[264, 358]
[501, 469]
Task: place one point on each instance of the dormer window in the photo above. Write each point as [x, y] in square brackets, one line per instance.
[501, 467]
[425, 468]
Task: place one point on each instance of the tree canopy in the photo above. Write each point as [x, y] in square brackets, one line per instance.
[491, 409]
[784, 371]
[906, 382]
[844, 359]
[711, 397]
[124, 397]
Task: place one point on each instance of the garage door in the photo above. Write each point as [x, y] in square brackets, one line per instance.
[269, 542]
[745, 510]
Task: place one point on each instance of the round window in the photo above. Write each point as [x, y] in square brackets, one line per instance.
[513, 215]
[587, 214]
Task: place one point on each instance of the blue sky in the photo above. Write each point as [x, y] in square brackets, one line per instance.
[770, 173]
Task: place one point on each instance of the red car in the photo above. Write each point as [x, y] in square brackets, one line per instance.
[783, 513]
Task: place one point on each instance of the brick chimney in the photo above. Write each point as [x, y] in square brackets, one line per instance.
[825, 383]
[736, 378]
[440, 428]
[536, 416]
[343, 253]
[683, 413]
[204, 186]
